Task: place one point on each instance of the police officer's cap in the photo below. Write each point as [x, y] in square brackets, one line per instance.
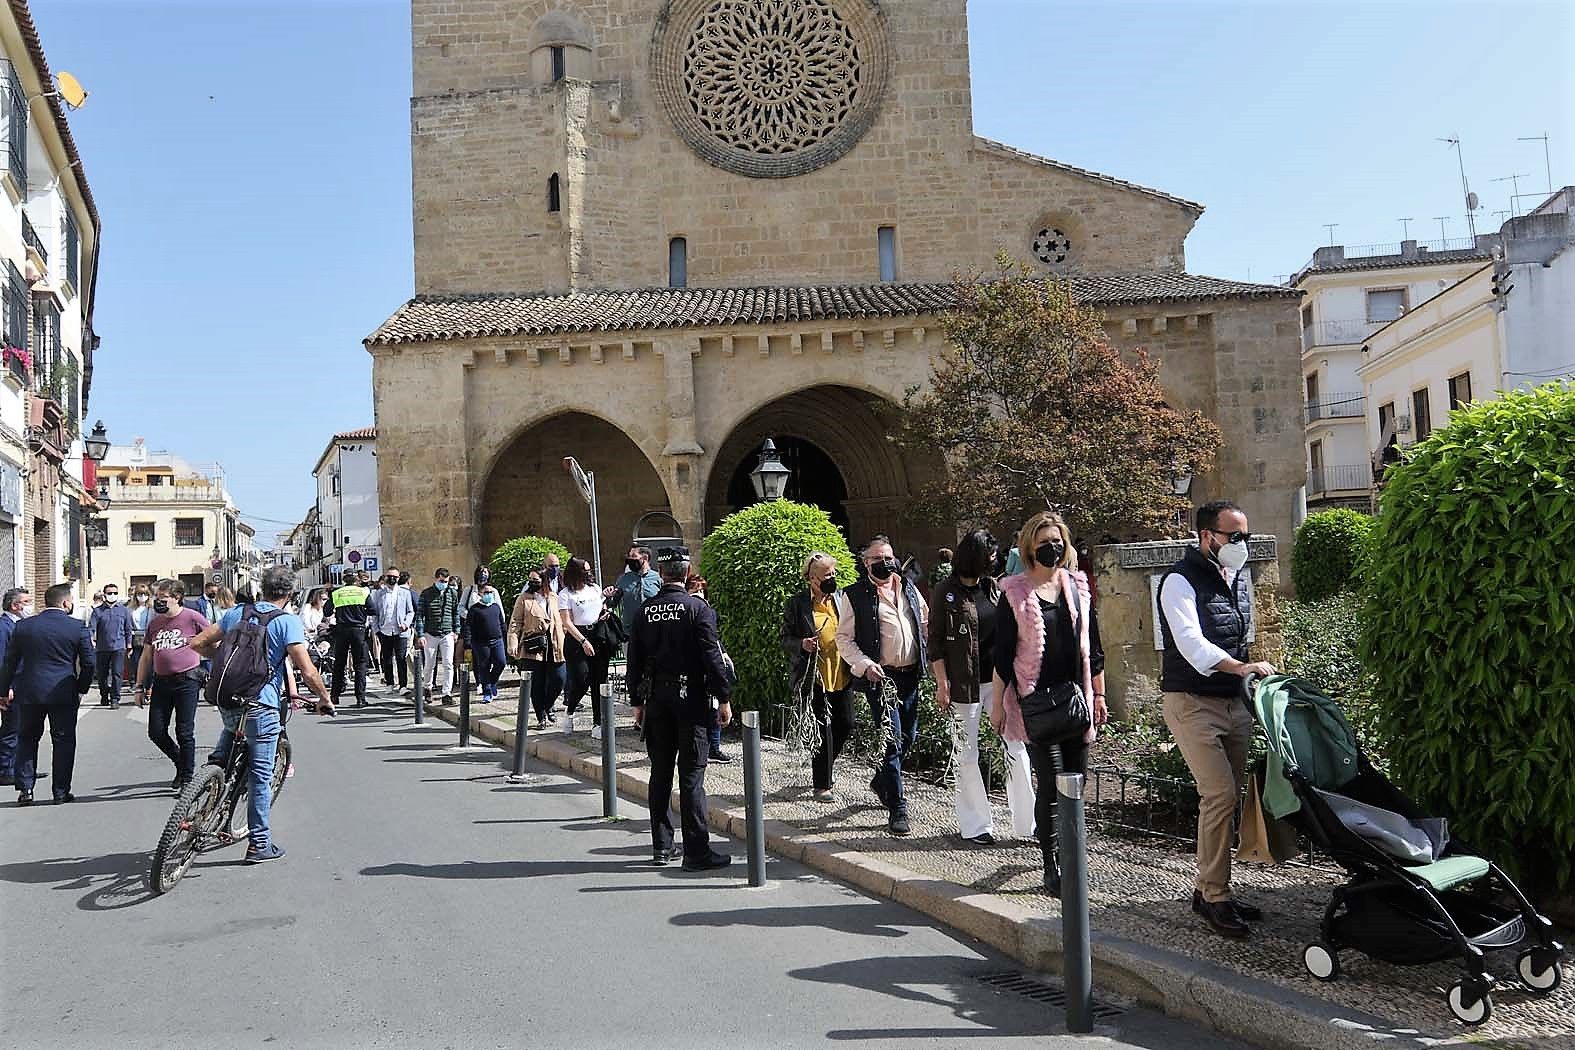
[672, 555]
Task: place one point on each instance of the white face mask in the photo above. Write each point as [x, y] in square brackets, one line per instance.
[111, 599]
[1233, 555]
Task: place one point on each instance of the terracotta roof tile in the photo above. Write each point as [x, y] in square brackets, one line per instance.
[1394, 262]
[427, 318]
[363, 434]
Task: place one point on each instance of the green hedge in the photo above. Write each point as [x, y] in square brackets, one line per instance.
[1469, 624]
[752, 561]
[513, 562]
[1326, 557]
[1323, 645]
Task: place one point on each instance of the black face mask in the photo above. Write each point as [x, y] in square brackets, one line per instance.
[550, 572]
[883, 570]
[1050, 554]
[828, 585]
[533, 587]
[632, 564]
[161, 606]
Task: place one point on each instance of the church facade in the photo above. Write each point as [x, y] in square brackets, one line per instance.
[650, 234]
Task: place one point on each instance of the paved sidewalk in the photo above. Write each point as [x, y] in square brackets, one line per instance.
[1150, 945]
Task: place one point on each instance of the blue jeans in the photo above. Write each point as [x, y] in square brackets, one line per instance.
[546, 684]
[111, 668]
[904, 734]
[716, 731]
[262, 739]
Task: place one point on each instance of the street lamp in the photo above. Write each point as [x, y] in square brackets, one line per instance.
[96, 445]
[1181, 480]
[770, 478]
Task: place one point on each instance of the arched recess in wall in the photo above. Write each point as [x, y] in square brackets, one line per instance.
[528, 493]
[834, 440]
[560, 47]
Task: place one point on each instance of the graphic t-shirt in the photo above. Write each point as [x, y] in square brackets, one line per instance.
[171, 637]
[584, 605]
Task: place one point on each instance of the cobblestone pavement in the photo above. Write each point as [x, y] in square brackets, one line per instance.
[1139, 889]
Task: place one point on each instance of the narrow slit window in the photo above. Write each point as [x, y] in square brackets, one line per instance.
[678, 263]
[886, 244]
[554, 197]
[558, 70]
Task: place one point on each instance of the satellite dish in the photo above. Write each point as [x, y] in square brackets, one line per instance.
[71, 89]
[1472, 202]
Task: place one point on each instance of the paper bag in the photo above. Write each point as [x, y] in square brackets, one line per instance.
[1264, 840]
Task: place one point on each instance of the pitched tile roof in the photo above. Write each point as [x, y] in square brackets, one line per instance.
[1395, 262]
[1110, 180]
[427, 318]
[363, 434]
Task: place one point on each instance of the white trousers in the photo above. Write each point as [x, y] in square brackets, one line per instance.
[973, 803]
[438, 650]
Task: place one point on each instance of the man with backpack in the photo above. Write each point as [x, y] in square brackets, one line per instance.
[251, 648]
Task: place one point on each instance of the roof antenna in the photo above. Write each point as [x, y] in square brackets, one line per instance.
[1331, 227]
[1405, 228]
[1472, 203]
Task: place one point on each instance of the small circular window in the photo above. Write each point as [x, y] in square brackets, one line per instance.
[1052, 247]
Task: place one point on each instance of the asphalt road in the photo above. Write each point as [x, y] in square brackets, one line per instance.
[425, 902]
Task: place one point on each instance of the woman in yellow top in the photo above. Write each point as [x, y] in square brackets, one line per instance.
[809, 636]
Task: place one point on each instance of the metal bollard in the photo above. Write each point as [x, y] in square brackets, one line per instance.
[521, 720]
[754, 801]
[464, 707]
[1078, 964]
[421, 687]
[604, 700]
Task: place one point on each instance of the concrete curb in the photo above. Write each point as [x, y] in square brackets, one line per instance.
[1233, 1004]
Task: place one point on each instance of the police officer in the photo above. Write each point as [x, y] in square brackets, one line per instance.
[353, 612]
[675, 669]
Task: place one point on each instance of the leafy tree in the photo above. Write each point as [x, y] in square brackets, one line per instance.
[1469, 626]
[752, 562]
[1326, 558]
[1032, 407]
[513, 562]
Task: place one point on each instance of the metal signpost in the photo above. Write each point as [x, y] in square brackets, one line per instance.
[585, 481]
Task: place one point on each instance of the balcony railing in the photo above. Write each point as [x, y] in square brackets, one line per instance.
[1338, 333]
[1355, 477]
[34, 242]
[1336, 406]
[167, 494]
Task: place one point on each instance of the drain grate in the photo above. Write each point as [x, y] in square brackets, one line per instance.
[1040, 992]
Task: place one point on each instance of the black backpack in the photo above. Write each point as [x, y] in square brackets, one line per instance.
[241, 667]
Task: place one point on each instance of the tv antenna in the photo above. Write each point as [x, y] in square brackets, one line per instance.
[1405, 228]
[1331, 227]
[1443, 235]
[1514, 182]
[1547, 158]
[1472, 203]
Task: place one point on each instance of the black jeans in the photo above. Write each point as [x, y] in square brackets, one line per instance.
[175, 695]
[1046, 760]
[586, 674]
[668, 738]
[111, 668]
[350, 643]
[396, 653]
[834, 712]
[546, 684]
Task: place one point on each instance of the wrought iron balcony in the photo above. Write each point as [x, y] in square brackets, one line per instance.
[1336, 406]
[34, 242]
[1352, 477]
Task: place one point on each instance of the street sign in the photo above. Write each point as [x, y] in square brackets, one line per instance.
[218, 578]
[582, 480]
[369, 564]
[353, 557]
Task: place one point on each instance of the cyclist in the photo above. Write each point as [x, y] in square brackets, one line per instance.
[286, 644]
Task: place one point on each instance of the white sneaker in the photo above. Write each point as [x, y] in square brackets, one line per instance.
[566, 725]
[596, 732]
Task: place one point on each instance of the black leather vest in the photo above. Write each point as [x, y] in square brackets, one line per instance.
[1224, 613]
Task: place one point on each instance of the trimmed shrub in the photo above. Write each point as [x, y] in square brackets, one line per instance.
[752, 562]
[1325, 558]
[1322, 644]
[513, 562]
[1469, 625]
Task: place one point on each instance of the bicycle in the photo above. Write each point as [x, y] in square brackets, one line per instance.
[211, 811]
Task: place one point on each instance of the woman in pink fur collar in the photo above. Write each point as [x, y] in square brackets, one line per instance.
[1046, 635]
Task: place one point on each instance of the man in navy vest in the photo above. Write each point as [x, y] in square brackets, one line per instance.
[881, 627]
[48, 666]
[1206, 624]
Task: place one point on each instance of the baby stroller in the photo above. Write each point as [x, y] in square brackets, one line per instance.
[1415, 895]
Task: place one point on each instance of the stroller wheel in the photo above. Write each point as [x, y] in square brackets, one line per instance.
[1539, 970]
[1470, 1002]
[1321, 961]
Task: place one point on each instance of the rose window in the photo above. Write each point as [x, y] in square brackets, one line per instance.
[771, 88]
[1052, 247]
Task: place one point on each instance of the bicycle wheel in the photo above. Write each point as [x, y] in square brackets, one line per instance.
[281, 766]
[191, 818]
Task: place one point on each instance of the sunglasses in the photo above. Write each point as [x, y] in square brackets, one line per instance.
[1232, 537]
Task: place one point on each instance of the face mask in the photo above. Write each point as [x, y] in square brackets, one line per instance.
[27, 610]
[161, 606]
[1050, 554]
[111, 599]
[488, 599]
[883, 570]
[550, 572]
[533, 587]
[1232, 555]
[632, 564]
[828, 585]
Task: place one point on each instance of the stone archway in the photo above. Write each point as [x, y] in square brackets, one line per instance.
[839, 436]
[528, 493]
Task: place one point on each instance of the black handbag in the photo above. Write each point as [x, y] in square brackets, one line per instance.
[533, 644]
[1055, 714]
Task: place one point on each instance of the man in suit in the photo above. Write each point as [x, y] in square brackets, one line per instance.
[48, 665]
[16, 604]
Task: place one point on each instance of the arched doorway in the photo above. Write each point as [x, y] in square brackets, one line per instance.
[529, 494]
[834, 439]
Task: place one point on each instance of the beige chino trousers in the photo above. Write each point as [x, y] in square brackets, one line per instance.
[1214, 734]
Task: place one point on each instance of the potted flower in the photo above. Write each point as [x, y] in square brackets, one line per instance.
[14, 356]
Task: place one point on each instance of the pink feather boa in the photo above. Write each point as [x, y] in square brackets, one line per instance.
[1019, 590]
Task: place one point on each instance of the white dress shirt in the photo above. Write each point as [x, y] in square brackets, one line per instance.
[1179, 601]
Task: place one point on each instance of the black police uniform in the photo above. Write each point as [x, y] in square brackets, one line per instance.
[674, 668]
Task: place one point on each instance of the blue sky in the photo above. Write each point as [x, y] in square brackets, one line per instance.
[251, 162]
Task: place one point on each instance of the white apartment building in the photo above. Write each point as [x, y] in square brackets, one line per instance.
[1509, 324]
[344, 529]
[49, 234]
[1348, 293]
[165, 517]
